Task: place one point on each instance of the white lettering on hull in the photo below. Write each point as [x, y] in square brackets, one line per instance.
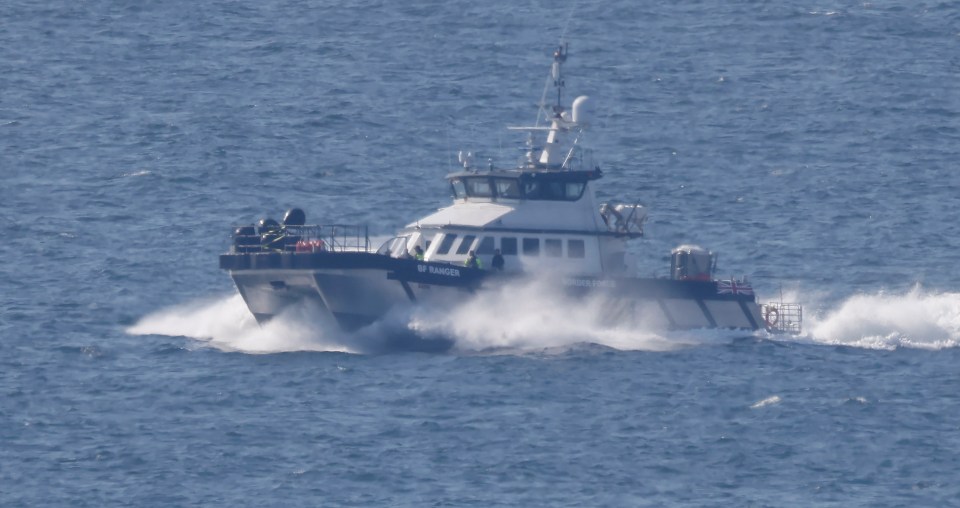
[590, 283]
[439, 270]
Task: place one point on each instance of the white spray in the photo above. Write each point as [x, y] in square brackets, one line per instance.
[532, 316]
[917, 319]
[528, 316]
[225, 323]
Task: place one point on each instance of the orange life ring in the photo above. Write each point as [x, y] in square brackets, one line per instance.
[771, 316]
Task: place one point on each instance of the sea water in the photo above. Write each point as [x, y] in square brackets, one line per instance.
[812, 145]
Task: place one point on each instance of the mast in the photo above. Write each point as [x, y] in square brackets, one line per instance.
[553, 155]
[556, 72]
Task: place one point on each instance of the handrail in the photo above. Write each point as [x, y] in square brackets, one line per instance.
[308, 238]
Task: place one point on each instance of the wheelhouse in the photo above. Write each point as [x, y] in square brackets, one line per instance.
[521, 185]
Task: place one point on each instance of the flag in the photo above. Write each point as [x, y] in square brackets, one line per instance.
[732, 287]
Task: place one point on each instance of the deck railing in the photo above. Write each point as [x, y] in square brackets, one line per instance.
[312, 238]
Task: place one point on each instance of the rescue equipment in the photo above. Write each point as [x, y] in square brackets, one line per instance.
[771, 316]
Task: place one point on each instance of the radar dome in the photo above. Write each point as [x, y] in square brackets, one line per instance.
[580, 109]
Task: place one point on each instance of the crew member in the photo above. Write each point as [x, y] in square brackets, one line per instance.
[497, 262]
[418, 253]
[472, 260]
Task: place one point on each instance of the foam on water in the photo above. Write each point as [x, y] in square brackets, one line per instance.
[226, 323]
[533, 316]
[916, 319]
[769, 401]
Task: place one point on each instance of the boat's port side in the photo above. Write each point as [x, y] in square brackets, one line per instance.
[685, 314]
[678, 304]
[358, 288]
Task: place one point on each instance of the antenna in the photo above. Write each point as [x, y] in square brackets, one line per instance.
[556, 79]
[500, 147]
[566, 26]
[564, 46]
[543, 102]
[559, 57]
[449, 153]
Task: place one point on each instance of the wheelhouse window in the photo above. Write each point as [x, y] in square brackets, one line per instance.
[539, 186]
[508, 246]
[430, 240]
[553, 248]
[576, 249]
[465, 244]
[446, 243]
[507, 188]
[479, 187]
[574, 191]
[531, 190]
[459, 190]
[486, 245]
[553, 191]
[531, 246]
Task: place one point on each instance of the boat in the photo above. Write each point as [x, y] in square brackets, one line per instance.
[538, 220]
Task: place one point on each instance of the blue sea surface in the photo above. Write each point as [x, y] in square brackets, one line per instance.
[814, 146]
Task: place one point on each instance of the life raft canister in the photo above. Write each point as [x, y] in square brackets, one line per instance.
[771, 316]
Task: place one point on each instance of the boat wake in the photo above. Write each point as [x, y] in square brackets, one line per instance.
[226, 324]
[918, 319]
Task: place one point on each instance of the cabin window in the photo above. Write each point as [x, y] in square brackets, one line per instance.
[399, 248]
[479, 188]
[576, 249]
[486, 245]
[393, 246]
[428, 241]
[459, 191]
[553, 247]
[574, 191]
[553, 191]
[508, 246]
[446, 243]
[507, 188]
[531, 190]
[531, 246]
[466, 244]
